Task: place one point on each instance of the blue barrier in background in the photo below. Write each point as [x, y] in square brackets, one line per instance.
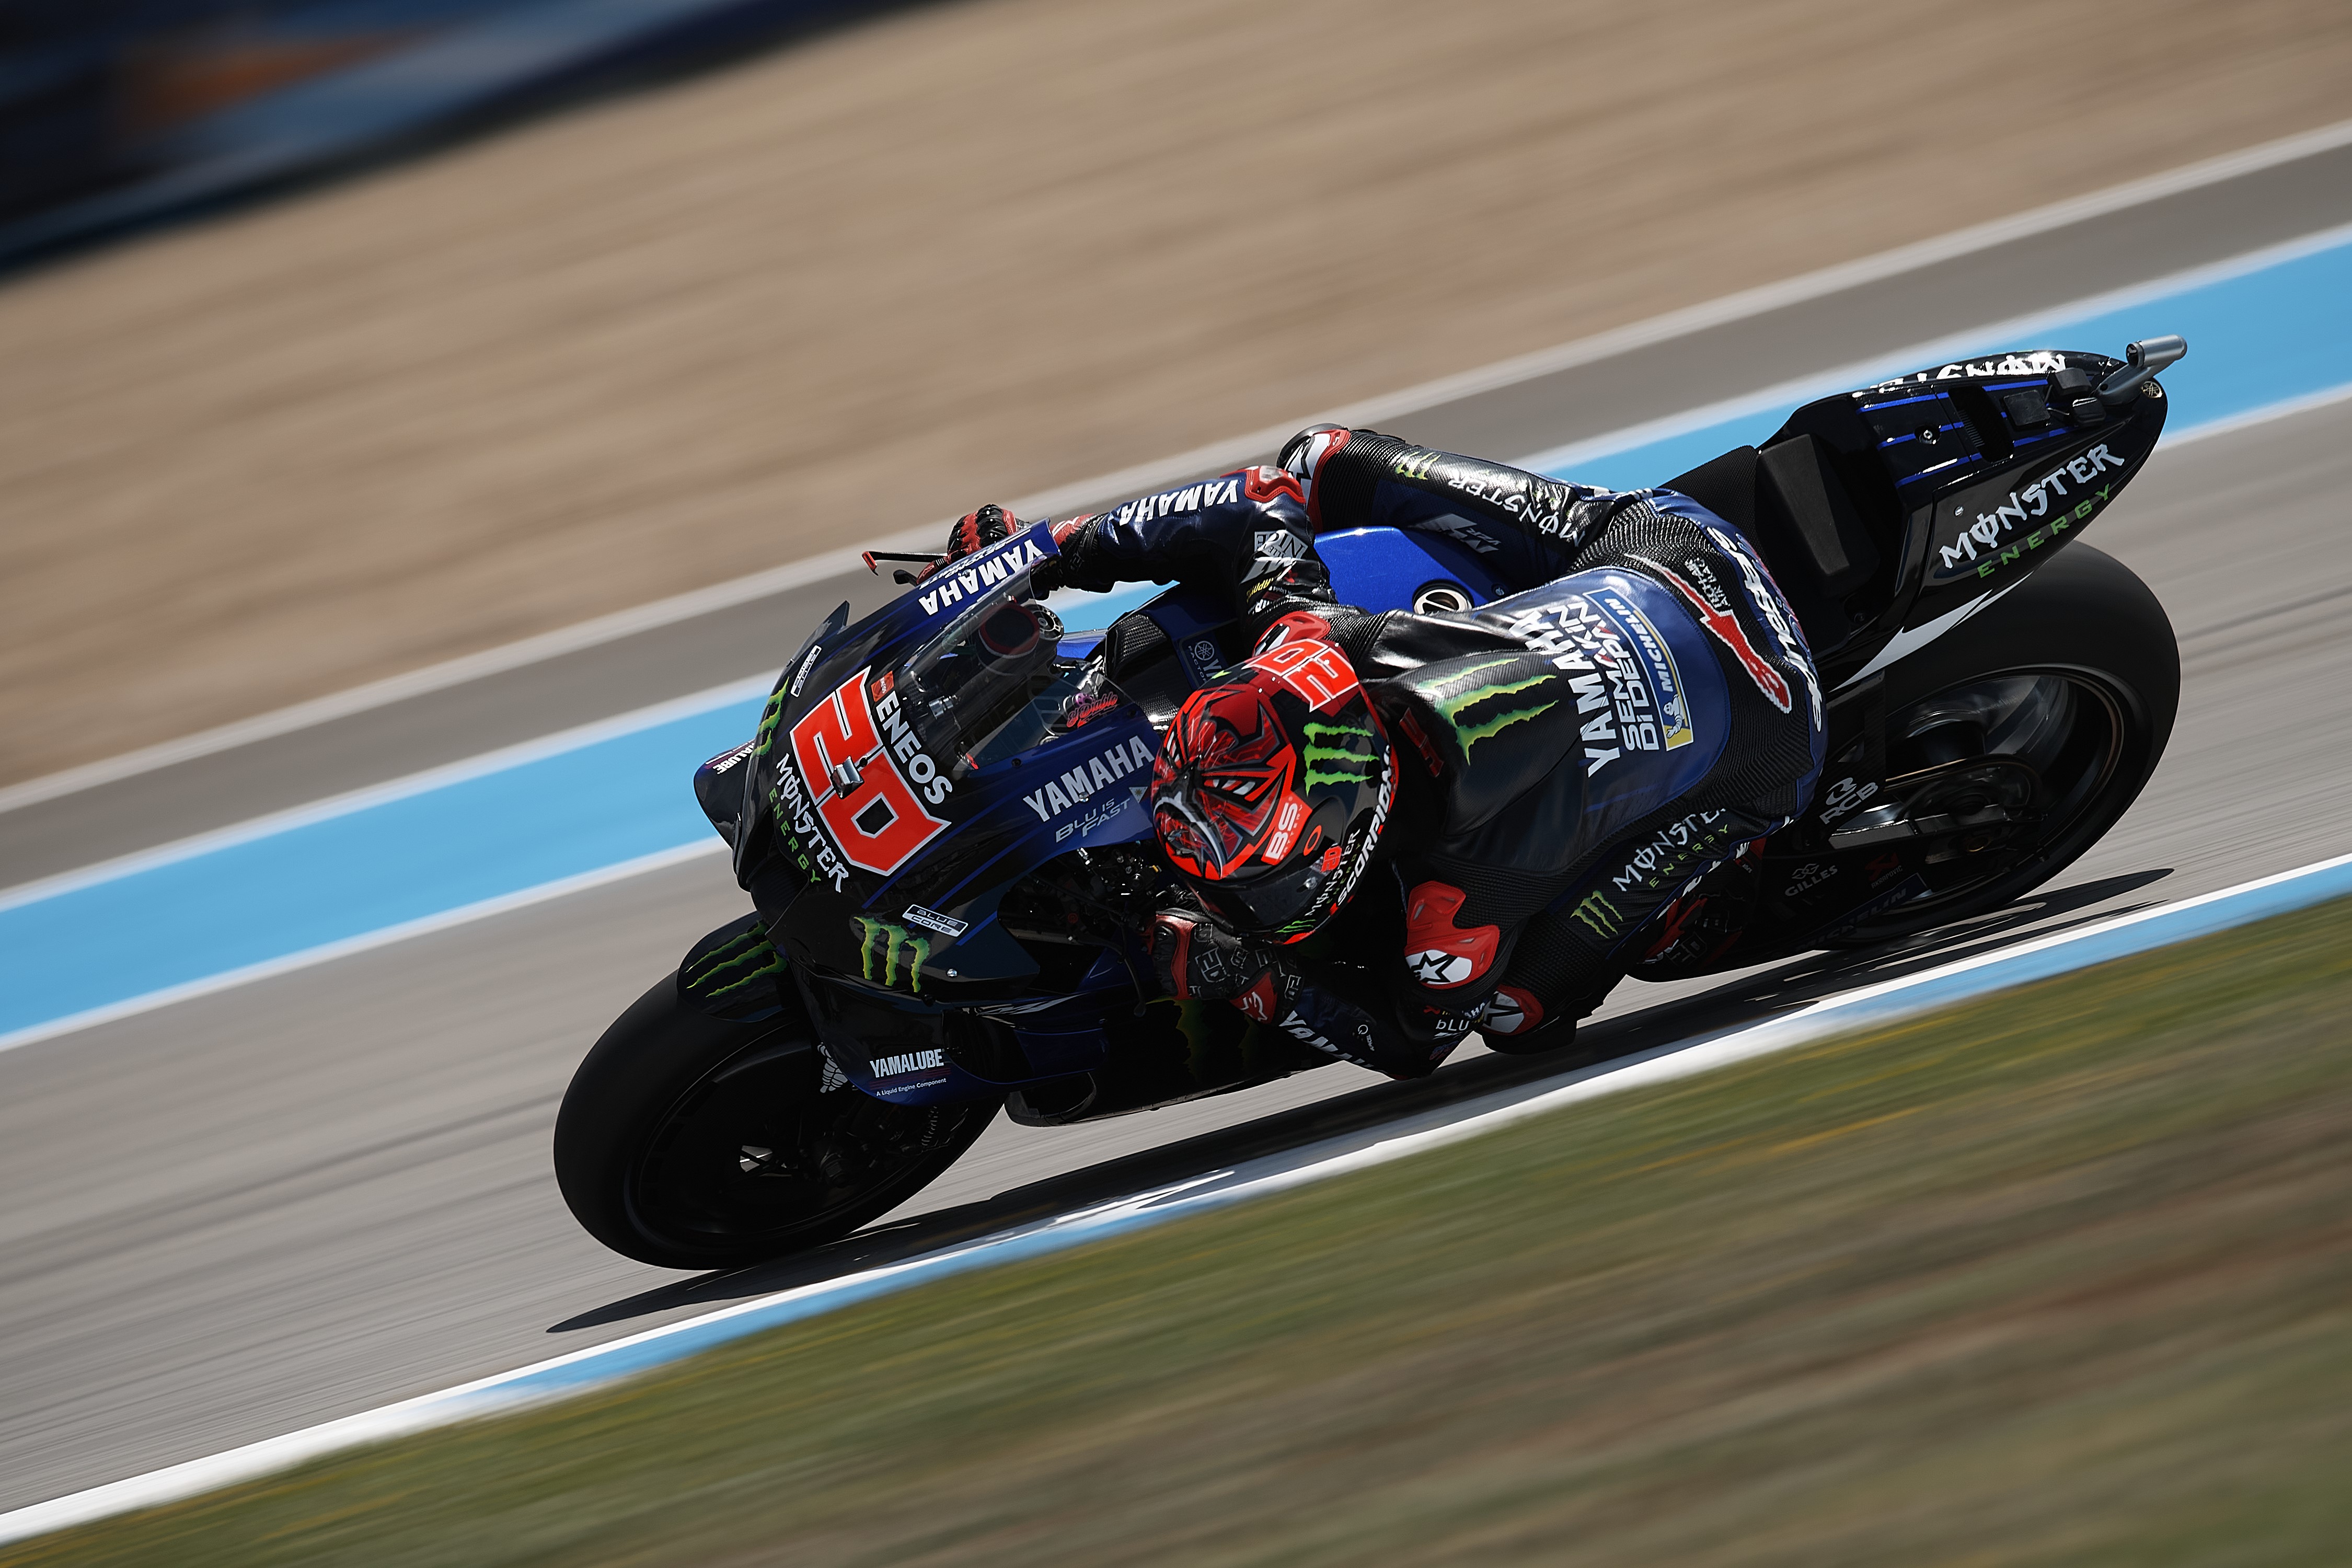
[114, 116]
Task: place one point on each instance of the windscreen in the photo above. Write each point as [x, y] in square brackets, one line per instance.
[992, 683]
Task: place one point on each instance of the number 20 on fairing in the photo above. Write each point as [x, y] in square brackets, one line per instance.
[878, 821]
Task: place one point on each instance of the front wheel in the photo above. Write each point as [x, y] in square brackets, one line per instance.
[693, 1142]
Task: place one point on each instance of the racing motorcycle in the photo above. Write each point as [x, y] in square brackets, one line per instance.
[942, 823]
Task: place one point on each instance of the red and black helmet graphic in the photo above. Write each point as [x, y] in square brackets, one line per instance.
[1225, 773]
[1271, 789]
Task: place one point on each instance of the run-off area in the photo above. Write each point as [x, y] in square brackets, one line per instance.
[2060, 1275]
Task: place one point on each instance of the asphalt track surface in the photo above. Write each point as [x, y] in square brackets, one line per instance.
[318, 1193]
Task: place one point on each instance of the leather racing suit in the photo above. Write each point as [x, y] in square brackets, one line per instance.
[1568, 757]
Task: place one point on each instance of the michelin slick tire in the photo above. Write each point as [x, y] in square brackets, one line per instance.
[693, 1142]
[2089, 635]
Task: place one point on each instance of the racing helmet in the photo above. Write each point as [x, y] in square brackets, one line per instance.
[1271, 786]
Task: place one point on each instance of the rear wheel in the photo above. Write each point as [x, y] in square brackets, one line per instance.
[693, 1142]
[2014, 743]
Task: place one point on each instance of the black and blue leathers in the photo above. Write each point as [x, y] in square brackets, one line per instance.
[1570, 756]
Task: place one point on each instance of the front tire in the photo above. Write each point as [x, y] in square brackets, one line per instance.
[693, 1142]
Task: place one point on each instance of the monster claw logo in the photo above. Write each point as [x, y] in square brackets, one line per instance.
[1338, 754]
[886, 947]
[1452, 705]
[1600, 916]
[765, 736]
[731, 965]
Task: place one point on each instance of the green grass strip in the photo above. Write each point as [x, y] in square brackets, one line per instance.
[2064, 1276]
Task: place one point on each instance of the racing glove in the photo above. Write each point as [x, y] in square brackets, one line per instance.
[974, 532]
[1196, 959]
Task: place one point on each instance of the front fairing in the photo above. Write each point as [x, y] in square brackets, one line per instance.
[891, 882]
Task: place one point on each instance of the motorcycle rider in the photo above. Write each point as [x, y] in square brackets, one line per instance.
[1478, 810]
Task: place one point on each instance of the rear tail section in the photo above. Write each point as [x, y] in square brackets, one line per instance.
[1887, 510]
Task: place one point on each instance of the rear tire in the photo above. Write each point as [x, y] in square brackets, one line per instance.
[693, 1142]
[2097, 644]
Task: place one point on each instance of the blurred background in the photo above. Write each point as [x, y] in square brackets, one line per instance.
[342, 336]
[122, 111]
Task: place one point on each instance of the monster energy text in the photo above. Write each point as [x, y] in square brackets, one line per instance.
[1674, 851]
[2030, 504]
[788, 800]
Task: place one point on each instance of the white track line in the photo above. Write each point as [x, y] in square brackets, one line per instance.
[600, 1365]
[1210, 458]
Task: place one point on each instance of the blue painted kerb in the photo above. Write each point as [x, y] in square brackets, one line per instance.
[2100, 945]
